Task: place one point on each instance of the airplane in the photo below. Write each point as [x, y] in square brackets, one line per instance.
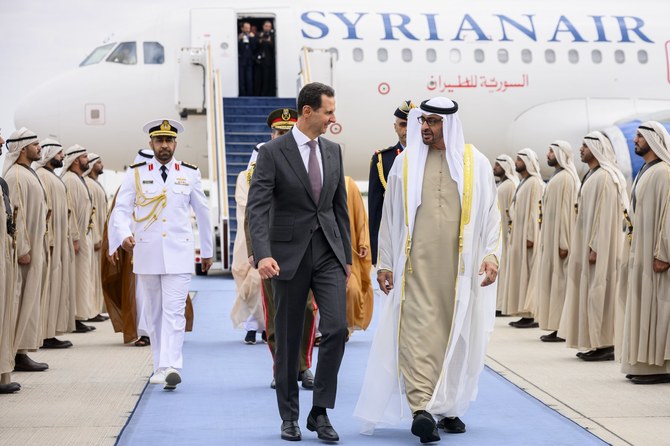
[524, 74]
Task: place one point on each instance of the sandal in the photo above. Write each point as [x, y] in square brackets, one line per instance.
[143, 341]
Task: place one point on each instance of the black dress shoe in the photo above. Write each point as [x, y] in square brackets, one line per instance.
[80, 327]
[250, 338]
[525, 322]
[307, 379]
[498, 313]
[98, 318]
[55, 343]
[321, 425]
[424, 427]
[659, 378]
[264, 337]
[551, 337]
[24, 364]
[599, 354]
[451, 425]
[9, 388]
[290, 431]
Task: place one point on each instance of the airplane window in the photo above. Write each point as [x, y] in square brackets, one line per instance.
[431, 55]
[358, 54]
[455, 55]
[503, 56]
[573, 56]
[406, 55]
[125, 53]
[479, 56]
[382, 55]
[335, 53]
[642, 56]
[619, 56]
[596, 56]
[526, 56]
[154, 54]
[550, 56]
[97, 54]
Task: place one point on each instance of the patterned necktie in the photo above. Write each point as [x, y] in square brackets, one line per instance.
[164, 173]
[313, 171]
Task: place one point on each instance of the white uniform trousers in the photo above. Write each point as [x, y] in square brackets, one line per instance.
[164, 304]
[141, 319]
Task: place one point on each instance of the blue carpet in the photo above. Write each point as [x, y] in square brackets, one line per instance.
[225, 397]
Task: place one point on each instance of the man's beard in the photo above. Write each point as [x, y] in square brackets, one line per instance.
[552, 162]
[642, 151]
[55, 164]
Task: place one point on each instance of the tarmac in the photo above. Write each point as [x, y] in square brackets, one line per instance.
[90, 390]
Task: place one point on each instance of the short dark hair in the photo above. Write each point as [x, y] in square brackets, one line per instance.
[311, 95]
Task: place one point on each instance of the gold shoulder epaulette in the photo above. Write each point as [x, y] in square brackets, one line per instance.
[132, 166]
[190, 166]
[385, 150]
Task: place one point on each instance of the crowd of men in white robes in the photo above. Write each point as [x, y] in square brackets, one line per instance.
[51, 227]
[587, 259]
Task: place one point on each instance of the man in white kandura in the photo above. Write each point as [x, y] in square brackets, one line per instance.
[155, 198]
[508, 181]
[646, 341]
[439, 243]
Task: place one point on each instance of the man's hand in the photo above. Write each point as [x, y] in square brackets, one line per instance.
[251, 261]
[76, 246]
[385, 280]
[268, 268]
[592, 257]
[205, 264]
[347, 272]
[363, 252]
[660, 266]
[490, 271]
[97, 246]
[114, 257]
[529, 244]
[128, 244]
[24, 260]
[562, 253]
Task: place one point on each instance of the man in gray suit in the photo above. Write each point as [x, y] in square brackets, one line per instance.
[300, 235]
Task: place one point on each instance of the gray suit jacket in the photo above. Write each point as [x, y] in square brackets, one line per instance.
[282, 212]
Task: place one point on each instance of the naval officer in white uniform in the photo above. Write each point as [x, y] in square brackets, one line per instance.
[155, 199]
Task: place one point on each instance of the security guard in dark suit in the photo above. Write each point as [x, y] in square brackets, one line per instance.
[380, 165]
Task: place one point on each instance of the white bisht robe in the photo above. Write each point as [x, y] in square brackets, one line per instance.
[247, 280]
[382, 400]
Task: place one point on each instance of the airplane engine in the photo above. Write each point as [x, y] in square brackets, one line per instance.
[572, 119]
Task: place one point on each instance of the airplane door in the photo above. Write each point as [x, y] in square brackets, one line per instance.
[218, 27]
[316, 65]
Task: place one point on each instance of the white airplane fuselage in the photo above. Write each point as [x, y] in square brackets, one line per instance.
[524, 73]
